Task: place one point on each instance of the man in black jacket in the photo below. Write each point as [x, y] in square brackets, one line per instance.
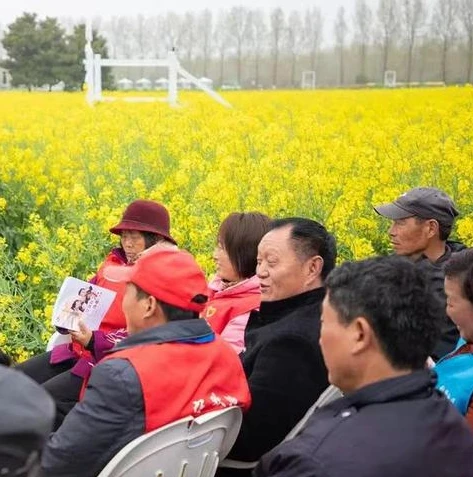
[422, 220]
[380, 322]
[282, 359]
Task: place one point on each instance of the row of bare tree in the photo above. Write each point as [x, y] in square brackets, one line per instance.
[423, 40]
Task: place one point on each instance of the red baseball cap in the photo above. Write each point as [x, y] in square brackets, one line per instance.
[171, 276]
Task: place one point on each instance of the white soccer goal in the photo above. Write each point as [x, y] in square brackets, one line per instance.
[93, 74]
[390, 79]
[308, 80]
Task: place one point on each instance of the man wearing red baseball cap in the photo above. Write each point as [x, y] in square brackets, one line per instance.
[172, 365]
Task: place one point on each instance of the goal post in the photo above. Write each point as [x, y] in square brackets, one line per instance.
[308, 80]
[93, 73]
[390, 79]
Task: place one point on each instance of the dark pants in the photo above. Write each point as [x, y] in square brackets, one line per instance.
[57, 379]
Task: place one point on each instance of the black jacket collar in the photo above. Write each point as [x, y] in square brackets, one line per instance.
[182, 330]
[450, 247]
[416, 384]
[274, 310]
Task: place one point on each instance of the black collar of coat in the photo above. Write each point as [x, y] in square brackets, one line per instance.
[450, 247]
[417, 384]
[274, 310]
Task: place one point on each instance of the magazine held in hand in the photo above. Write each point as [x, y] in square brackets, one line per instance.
[78, 300]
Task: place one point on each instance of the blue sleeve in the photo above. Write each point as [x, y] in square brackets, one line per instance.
[109, 417]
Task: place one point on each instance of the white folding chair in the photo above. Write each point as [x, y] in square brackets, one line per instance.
[329, 395]
[185, 448]
[57, 339]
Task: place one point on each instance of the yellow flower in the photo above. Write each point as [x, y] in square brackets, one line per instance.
[465, 229]
[326, 155]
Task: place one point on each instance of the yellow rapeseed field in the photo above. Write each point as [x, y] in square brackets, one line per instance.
[68, 170]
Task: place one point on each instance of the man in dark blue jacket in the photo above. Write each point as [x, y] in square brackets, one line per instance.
[380, 322]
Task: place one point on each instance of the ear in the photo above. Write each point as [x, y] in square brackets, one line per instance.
[362, 335]
[316, 264]
[433, 228]
[151, 308]
[154, 315]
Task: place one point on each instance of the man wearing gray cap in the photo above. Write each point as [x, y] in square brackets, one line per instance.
[422, 219]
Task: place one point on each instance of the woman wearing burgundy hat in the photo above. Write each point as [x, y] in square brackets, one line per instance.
[61, 371]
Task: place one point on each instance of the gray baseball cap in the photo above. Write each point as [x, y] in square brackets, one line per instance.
[422, 202]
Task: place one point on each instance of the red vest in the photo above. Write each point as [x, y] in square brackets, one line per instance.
[114, 319]
[219, 311]
[180, 379]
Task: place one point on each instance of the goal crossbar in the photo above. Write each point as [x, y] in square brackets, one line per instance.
[132, 63]
[93, 73]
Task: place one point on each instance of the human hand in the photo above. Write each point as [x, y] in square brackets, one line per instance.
[83, 336]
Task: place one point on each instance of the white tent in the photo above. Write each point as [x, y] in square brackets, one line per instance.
[143, 83]
[5, 78]
[207, 81]
[58, 86]
[125, 83]
[162, 83]
[184, 84]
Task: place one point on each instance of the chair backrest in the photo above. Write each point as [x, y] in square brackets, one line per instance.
[185, 448]
[329, 395]
[57, 339]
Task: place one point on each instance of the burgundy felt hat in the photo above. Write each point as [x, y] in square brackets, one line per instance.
[145, 216]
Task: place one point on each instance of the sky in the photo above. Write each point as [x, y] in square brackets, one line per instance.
[9, 10]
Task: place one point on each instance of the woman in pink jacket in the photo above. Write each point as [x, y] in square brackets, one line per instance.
[235, 290]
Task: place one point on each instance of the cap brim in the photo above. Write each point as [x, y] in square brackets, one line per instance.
[393, 212]
[119, 274]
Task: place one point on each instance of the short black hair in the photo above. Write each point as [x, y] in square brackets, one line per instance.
[445, 231]
[396, 298]
[5, 359]
[310, 238]
[74, 305]
[151, 238]
[171, 312]
[460, 267]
